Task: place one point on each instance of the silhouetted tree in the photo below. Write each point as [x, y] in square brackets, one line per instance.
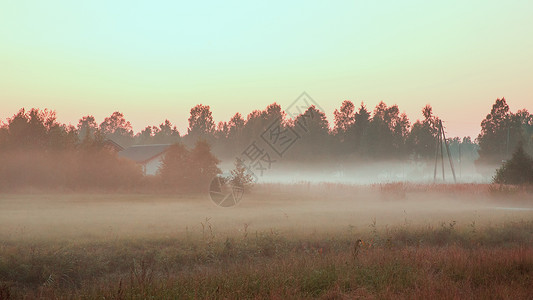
[517, 170]
[62, 137]
[176, 167]
[359, 130]
[235, 140]
[29, 130]
[188, 170]
[344, 119]
[258, 121]
[222, 131]
[240, 177]
[4, 136]
[273, 113]
[493, 137]
[315, 140]
[236, 124]
[387, 132]
[54, 154]
[201, 124]
[166, 133]
[203, 163]
[97, 167]
[86, 127]
[502, 130]
[146, 136]
[522, 120]
[229, 137]
[422, 138]
[116, 128]
[401, 134]
[253, 126]
[39, 152]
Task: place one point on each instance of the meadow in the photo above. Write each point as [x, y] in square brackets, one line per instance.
[281, 241]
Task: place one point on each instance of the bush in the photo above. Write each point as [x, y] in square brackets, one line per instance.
[240, 176]
[188, 170]
[517, 170]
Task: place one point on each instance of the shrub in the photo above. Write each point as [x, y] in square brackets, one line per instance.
[240, 176]
[189, 170]
[517, 170]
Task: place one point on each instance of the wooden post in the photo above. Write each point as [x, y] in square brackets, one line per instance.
[449, 155]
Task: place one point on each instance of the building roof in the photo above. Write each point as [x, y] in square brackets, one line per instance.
[112, 145]
[143, 153]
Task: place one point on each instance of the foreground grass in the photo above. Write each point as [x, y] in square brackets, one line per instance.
[401, 262]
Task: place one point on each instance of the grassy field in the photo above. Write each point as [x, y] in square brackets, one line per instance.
[298, 241]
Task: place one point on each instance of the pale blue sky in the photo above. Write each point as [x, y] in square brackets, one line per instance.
[154, 59]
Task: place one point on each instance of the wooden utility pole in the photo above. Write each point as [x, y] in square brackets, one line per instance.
[441, 143]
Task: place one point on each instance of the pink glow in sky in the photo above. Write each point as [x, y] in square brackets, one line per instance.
[155, 60]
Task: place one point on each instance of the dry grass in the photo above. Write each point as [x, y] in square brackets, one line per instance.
[443, 262]
[256, 251]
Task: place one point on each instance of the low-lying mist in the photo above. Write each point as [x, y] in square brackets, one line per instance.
[305, 208]
[371, 172]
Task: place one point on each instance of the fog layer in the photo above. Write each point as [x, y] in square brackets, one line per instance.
[303, 208]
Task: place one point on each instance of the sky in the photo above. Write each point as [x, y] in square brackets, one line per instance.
[155, 60]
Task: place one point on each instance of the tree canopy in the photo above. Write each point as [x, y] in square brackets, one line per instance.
[517, 170]
[502, 131]
[36, 149]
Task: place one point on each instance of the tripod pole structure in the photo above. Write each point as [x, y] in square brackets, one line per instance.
[441, 151]
[449, 155]
[437, 144]
[441, 142]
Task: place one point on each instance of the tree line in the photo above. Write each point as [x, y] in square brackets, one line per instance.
[37, 150]
[358, 133]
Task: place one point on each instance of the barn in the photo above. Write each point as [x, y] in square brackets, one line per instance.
[149, 157]
[112, 146]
